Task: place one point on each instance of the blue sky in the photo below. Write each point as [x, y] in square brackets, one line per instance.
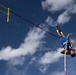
[27, 50]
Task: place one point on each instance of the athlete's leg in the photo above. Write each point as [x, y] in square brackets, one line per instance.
[59, 32]
[62, 34]
[72, 51]
[68, 41]
[72, 45]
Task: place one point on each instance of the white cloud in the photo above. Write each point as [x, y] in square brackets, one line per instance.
[50, 57]
[72, 9]
[69, 7]
[50, 21]
[56, 5]
[58, 73]
[17, 61]
[66, 15]
[32, 60]
[29, 46]
[43, 68]
[63, 18]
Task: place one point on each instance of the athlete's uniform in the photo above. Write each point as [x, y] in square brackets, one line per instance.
[65, 45]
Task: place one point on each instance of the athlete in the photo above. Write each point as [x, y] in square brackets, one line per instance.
[66, 43]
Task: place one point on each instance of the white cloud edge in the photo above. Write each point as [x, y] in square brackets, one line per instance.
[68, 6]
[51, 57]
[29, 46]
[63, 18]
[56, 5]
[57, 73]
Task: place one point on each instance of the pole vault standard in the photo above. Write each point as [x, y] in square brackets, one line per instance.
[65, 72]
[6, 13]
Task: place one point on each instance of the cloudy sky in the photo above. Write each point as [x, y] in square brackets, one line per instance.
[27, 50]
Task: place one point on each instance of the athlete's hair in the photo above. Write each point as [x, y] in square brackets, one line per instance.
[73, 55]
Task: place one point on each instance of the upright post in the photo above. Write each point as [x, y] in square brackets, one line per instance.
[8, 15]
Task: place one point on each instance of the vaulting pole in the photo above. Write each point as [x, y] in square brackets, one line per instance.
[65, 69]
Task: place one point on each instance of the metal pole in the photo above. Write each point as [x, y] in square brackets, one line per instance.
[65, 70]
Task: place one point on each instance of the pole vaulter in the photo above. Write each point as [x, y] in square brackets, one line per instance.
[66, 43]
